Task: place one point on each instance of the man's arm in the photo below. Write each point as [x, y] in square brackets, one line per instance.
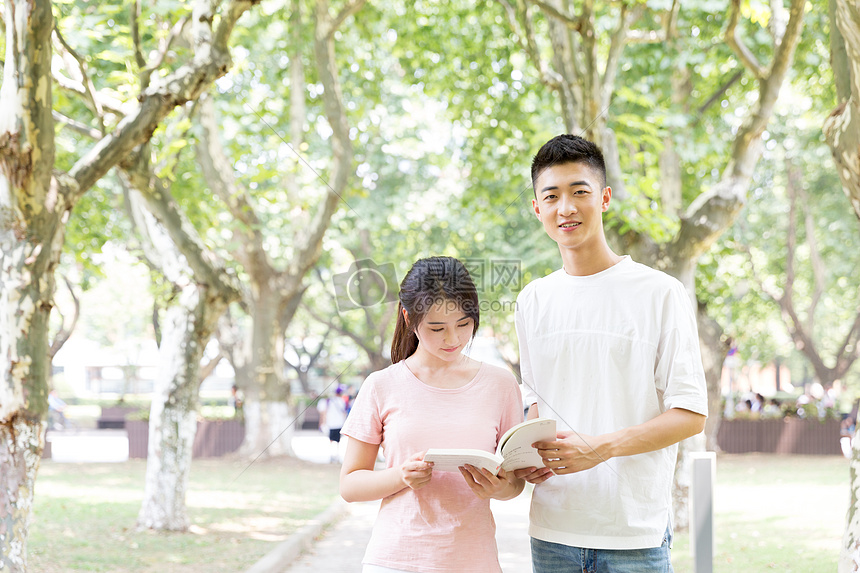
[572, 452]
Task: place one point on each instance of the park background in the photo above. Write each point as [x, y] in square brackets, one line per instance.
[197, 194]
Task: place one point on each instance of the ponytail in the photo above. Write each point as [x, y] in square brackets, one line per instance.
[405, 342]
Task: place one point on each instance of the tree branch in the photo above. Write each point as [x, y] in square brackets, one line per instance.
[361, 343]
[527, 42]
[778, 19]
[814, 252]
[839, 59]
[134, 16]
[713, 211]
[348, 10]
[185, 84]
[844, 357]
[790, 249]
[64, 333]
[204, 265]
[572, 22]
[207, 369]
[670, 29]
[744, 148]
[106, 103]
[617, 41]
[298, 105]
[77, 126]
[717, 95]
[738, 46]
[86, 83]
[308, 248]
[218, 172]
[146, 70]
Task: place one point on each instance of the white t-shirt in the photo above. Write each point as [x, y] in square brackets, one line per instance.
[335, 411]
[600, 353]
[444, 526]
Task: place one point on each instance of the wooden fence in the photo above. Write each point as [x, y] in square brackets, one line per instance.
[780, 436]
[214, 438]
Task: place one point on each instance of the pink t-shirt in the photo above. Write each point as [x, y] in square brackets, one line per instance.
[442, 527]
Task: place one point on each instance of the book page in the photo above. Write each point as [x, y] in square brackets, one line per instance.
[451, 460]
[516, 445]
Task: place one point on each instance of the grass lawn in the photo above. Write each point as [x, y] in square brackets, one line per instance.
[85, 514]
[775, 513]
[772, 513]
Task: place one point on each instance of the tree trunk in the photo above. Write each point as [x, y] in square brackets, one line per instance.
[31, 237]
[849, 556]
[186, 330]
[173, 416]
[275, 294]
[714, 351]
[268, 427]
[171, 246]
[21, 444]
[35, 204]
[842, 128]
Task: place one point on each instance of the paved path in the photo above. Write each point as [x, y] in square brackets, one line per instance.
[340, 548]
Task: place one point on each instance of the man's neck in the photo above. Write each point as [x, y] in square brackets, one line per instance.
[582, 263]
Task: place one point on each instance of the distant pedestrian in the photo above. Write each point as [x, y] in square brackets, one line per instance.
[56, 411]
[235, 401]
[333, 411]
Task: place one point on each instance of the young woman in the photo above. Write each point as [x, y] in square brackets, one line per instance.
[432, 396]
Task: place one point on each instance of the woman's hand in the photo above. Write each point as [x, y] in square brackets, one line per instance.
[486, 485]
[534, 475]
[416, 473]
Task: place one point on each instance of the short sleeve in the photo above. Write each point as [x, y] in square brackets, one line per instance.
[512, 411]
[364, 421]
[679, 374]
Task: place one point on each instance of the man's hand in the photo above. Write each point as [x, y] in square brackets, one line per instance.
[487, 486]
[416, 473]
[571, 453]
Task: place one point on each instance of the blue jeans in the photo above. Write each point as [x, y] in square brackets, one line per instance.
[557, 558]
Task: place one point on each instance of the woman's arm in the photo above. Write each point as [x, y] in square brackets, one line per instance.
[359, 481]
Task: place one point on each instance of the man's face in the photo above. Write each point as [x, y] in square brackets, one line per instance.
[569, 201]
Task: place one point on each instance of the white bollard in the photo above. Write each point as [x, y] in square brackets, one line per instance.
[702, 511]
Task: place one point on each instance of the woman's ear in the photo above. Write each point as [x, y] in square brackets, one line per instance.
[405, 316]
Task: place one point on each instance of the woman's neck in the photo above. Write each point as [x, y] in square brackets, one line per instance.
[442, 373]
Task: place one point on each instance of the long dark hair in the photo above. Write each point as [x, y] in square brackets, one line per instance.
[429, 282]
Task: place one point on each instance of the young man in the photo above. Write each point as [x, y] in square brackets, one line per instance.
[609, 348]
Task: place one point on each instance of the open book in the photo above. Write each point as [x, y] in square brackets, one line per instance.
[515, 450]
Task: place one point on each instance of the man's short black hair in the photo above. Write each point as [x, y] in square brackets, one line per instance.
[568, 148]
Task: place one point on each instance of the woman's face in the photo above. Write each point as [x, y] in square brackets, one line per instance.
[445, 331]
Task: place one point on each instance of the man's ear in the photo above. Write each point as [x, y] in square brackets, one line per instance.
[607, 195]
[536, 209]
